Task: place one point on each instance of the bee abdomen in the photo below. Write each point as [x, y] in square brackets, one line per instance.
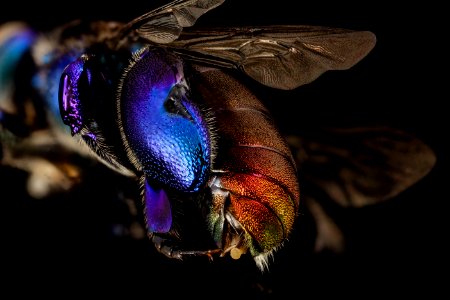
[263, 192]
[252, 162]
[248, 140]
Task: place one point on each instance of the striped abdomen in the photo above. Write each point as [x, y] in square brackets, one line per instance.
[253, 166]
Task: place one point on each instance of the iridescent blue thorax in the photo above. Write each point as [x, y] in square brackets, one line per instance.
[165, 131]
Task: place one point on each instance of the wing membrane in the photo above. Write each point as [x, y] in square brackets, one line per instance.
[283, 57]
[358, 167]
[164, 25]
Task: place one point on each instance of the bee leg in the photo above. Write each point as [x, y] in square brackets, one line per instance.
[208, 253]
[167, 247]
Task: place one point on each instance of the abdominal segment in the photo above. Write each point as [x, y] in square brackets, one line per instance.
[264, 207]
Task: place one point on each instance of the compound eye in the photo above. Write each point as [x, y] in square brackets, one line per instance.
[70, 105]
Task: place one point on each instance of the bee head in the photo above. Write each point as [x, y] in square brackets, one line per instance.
[86, 90]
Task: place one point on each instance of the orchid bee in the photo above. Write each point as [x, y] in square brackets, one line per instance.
[160, 101]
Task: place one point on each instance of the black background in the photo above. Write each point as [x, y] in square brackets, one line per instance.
[63, 247]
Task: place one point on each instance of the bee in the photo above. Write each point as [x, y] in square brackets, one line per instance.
[160, 101]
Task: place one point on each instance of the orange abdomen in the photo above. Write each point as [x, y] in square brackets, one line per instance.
[253, 162]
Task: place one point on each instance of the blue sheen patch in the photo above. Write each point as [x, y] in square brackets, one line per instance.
[69, 100]
[11, 51]
[158, 212]
[172, 146]
[48, 81]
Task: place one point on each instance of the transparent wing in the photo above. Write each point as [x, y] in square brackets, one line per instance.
[358, 167]
[164, 25]
[282, 57]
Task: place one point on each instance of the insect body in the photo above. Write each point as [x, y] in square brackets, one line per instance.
[155, 100]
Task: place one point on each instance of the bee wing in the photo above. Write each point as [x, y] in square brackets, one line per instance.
[164, 25]
[358, 167]
[282, 57]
